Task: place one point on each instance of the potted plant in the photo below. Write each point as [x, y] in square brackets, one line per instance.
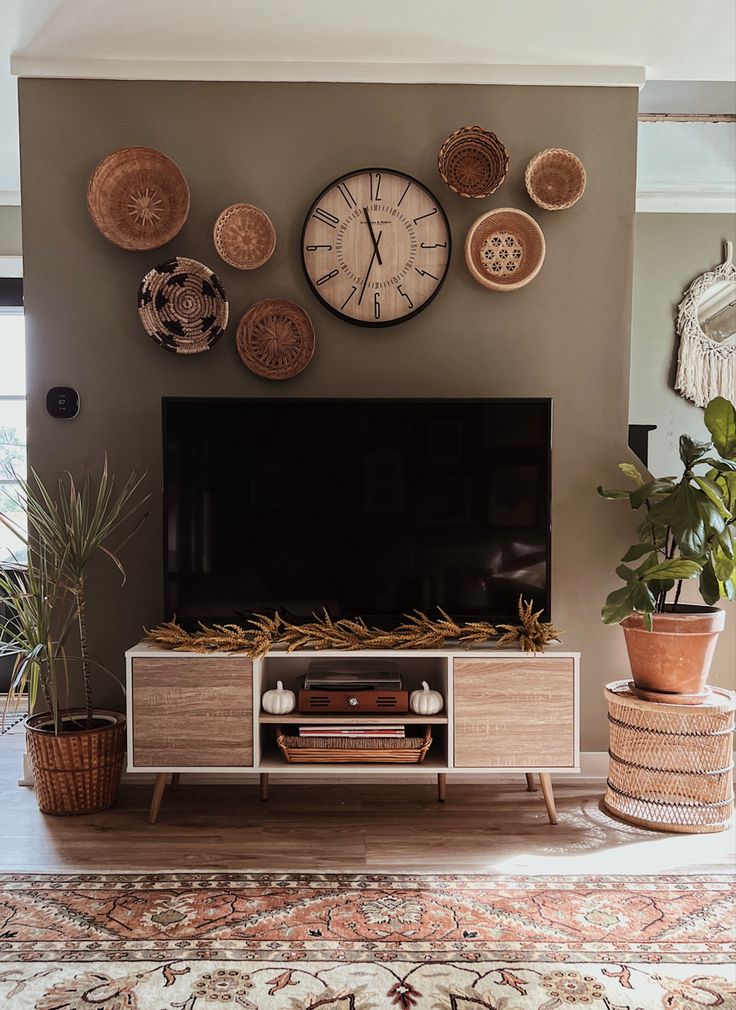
[687, 531]
[76, 753]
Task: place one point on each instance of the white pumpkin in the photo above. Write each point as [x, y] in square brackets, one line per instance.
[426, 702]
[279, 701]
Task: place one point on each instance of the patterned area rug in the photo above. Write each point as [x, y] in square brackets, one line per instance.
[189, 941]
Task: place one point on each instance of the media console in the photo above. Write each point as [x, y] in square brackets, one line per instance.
[505, 711]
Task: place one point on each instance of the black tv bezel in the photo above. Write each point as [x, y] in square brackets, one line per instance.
[389, 619]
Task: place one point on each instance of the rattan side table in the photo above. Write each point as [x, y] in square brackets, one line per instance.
[671, 766]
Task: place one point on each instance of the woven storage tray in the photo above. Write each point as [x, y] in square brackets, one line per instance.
[77, 773]
[670, 766]
[341, 750]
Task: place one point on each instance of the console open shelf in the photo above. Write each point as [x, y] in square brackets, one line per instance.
[340, 718]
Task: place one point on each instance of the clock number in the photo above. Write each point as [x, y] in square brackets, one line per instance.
[347, 195]
[408, 185]
[327, 277]
[377, 194]
[429, 213]
[426, 273]
[314, 248]
[405, 295]
[377, 305]
[326, 218]
[352, 292]
[434, 245]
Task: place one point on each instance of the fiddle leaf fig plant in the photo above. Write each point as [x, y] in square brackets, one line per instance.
[688, 526]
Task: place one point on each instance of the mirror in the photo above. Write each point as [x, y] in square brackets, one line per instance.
[706, 325]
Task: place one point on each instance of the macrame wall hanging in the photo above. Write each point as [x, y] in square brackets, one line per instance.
[706, 324]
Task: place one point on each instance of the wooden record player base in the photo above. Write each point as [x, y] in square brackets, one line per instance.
[545, 781]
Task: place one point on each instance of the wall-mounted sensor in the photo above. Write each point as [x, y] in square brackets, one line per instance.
[63, 402]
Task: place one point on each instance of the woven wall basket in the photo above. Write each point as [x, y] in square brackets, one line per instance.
[244, 236]
[555, 179]
[504, 249]
[138, 198]
[275, 338]
[183, 306]
[76, 773]
[473, 162]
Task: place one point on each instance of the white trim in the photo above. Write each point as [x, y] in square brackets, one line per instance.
[9, 198]
[540, 75]
[706, 198]
[11, 266]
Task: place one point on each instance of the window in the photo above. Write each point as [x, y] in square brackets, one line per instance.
[12, 424]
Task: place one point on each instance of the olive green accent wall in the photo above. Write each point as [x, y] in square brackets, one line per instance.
[671, 251]
[567, 335]
[10, 241]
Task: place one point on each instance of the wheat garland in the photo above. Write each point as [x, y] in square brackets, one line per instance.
[418, 631]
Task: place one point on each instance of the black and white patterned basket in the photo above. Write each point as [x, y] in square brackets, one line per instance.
[183, 306]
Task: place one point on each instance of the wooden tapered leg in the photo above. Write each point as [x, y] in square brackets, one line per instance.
[549, 797]
[175, 780]
[441, 787]
[264, 787]
[530, 783]
[158, 791]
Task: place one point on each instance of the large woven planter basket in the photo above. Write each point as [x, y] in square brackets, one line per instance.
[77, 772]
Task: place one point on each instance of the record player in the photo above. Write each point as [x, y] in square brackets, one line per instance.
[353, 686]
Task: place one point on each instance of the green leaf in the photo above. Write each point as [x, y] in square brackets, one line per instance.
[686, 521]
[709, 587]
[719, 464]
[627, 574]
[642, 598]
[631, 472]
[658, 586]
[714, 521]
[720, 420]
[675, 568]
[663, 486]
[651, 534]
[691, 451]
[637, 551]
[618, 605]
[729, 589]
[660, 514]
[723, 565]
[611, 493]
[712, 491]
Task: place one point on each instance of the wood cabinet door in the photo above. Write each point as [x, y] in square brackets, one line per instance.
[192, 712]
[514, 713]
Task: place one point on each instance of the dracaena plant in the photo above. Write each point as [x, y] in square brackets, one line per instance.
[687, 529]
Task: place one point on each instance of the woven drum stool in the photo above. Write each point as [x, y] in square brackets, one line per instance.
[671, 766]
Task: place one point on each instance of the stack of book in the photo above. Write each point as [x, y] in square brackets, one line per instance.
[353, 731]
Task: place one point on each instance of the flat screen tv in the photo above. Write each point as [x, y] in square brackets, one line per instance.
[367, 507]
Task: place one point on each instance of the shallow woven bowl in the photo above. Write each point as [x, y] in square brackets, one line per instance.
[182, 305]
[555, 179]
[275, 338]
[138, 198]
[504, 249]
[473, 162]
[244, 236]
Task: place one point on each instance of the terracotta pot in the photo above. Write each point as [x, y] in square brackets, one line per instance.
[675, 656]
[78, 771]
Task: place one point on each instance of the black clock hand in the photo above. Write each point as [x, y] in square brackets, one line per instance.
[374, 240]
[370, 265]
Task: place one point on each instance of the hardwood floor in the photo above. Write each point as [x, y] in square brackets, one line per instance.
[496, 828]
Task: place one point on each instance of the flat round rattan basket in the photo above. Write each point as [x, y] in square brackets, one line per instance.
[244, 236]
[504, 249]
[473, 162]
[555, 179]
[275, 338]
[138, 198]
[183, 306]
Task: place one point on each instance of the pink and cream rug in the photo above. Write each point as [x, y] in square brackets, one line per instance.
[196, 941]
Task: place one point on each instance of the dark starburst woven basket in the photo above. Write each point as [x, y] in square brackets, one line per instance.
[473, 162]
[183, 306]
[76, 772]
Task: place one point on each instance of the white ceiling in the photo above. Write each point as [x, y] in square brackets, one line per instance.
[675, 40]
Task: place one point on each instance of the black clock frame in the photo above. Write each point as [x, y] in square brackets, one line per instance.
[373, 324]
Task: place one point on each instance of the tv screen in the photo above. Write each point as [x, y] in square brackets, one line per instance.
[369, 508]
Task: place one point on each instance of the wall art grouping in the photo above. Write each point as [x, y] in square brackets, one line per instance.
[376, 245]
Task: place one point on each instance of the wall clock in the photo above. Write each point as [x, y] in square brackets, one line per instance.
[376, 247]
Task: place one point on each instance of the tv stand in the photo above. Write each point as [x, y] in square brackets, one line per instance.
[505, 712]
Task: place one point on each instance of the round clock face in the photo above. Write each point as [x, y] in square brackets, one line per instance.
[376, 247]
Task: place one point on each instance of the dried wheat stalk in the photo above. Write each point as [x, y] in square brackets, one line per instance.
[418, 631]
